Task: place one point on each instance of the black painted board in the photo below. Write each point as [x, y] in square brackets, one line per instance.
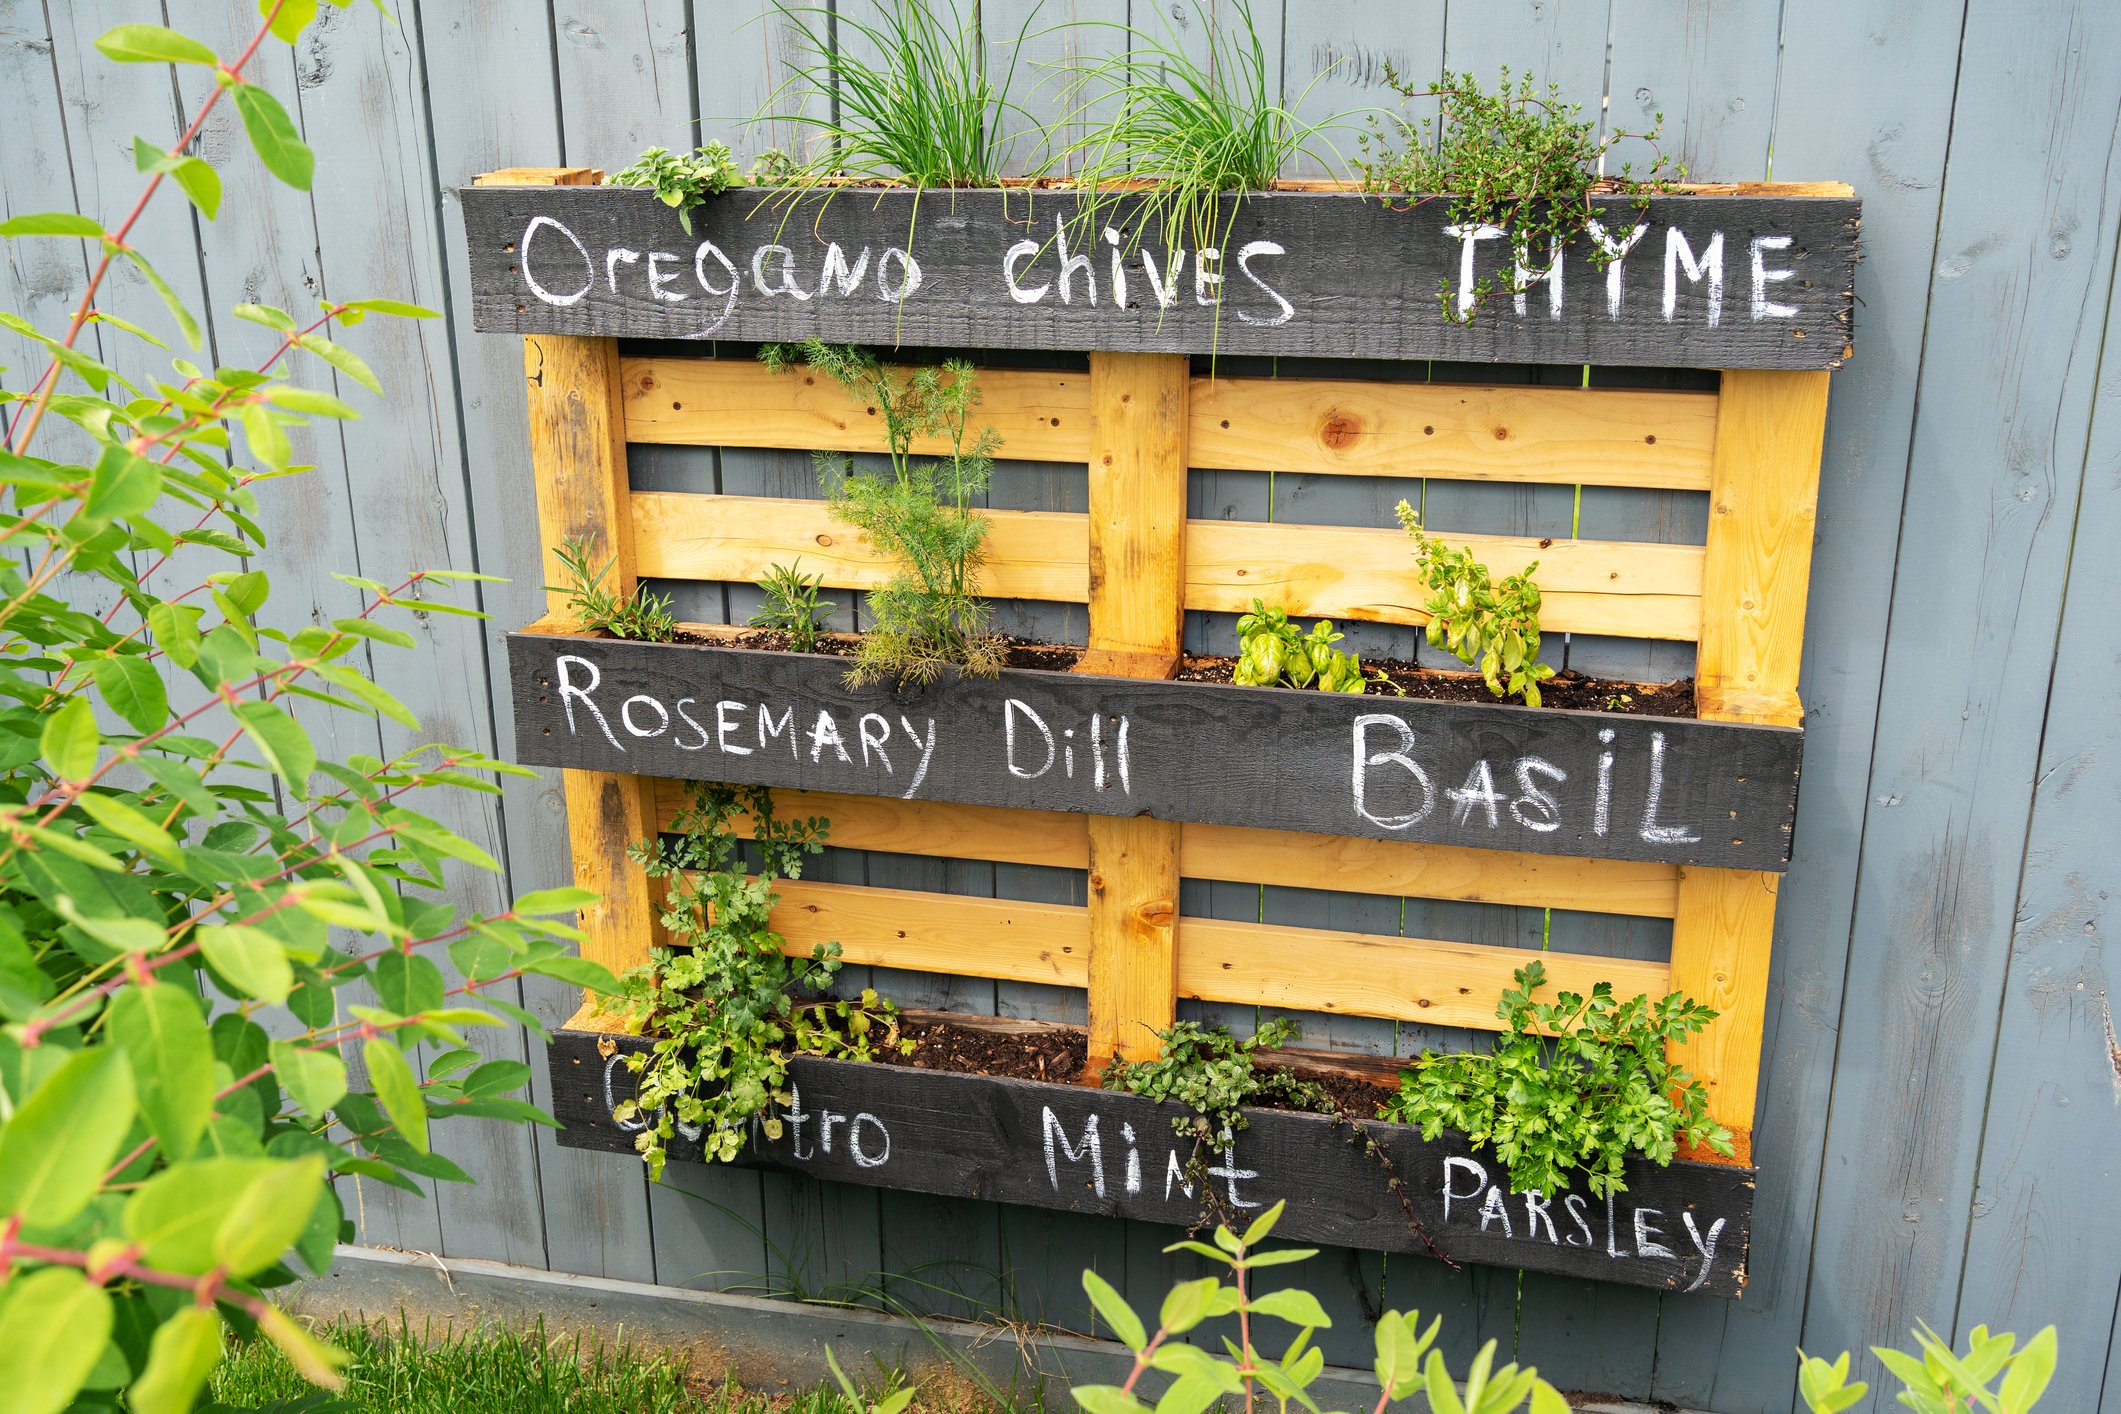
[1703, 281]
[1494, 776]
[1680, 1228]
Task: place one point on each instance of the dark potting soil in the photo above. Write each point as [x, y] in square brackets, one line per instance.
[1059, 1054]
[1016, 652]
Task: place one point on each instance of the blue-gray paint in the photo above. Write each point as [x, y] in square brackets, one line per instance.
[1937, 1134]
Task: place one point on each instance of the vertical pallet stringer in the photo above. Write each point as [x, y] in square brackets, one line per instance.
[578, 454]
[1763, 503]
[1137, 527]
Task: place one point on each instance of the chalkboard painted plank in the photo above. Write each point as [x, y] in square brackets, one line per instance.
[1311, 273]
[1833, 111]
[2016, 320]
[1090, 1151]
[1675, 790]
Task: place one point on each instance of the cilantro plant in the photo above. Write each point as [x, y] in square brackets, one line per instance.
[1494, 627]
[680, 179]
[188, 882]
[921, 514]
[1407, 1364]
[1520, 163]
[1272, 652]
[792, 606]
[1572, 1086]
[639, 615]
[722, 1002]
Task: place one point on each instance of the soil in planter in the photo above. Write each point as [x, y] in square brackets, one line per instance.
[1568, 691]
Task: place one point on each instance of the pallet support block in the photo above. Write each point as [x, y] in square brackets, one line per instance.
[1137, 525]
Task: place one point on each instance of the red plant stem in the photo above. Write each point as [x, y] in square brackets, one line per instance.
[206, 1290]
[115, 242]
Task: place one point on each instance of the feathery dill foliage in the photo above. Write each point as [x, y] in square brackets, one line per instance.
[1514, 158]
[922, 514]
[640, 615]
[926, 111]
[1187, 122]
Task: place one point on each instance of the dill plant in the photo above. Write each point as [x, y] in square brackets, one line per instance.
[1514, 158]
[923, 515]
[926, 111]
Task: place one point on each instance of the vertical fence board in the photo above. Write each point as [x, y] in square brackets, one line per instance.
[2010, 350]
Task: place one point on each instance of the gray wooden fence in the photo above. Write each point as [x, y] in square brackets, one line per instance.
[1941, 1119]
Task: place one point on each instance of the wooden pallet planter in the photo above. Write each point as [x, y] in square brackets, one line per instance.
[1663, 818]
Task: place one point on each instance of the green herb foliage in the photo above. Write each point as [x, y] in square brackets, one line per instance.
[1514, 159]
[1572, 1085]
[218, 937]
[1216, 1075]
[923, 515]
[640, 615]
[680, 179]
[792, 605]
[1189, 119]
[1494, 627]
[1941, 1380]
[1272, 652]
[721, 1003]
[1408, 1362]
[926, 110]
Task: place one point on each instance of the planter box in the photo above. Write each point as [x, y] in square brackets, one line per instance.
[1731, 278]
[1489, 775]
[1683, 1228]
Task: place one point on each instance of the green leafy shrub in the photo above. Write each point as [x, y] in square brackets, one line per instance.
[187, 883]
[1514, 160]
[1494, 627]
[1575, 1084]
[922, 515]
[1216, 1075]
[1273, 653]
[1407, 1361]
[1940, 1381]
[931, 111]
[721, 1003]
[680, 179]
[792, 605]
[640, 615]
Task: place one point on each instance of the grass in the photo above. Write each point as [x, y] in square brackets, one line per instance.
[403, 1371]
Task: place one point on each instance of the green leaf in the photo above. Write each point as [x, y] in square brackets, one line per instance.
[566, 899]
[312, 1358]
[184, 1351]
[168, 296]
[391, 1074]
[376, 697]
[1107, 1399]
[289, 17]
[268, 1216]
[281, 740]
[1117, 1313]
[267, 315]
[1443, 1395]
[132, 687]
[398, 308]
[2029, 1373]
[308, 400]
[70, 741]
[119, 934]
[381, 633]
[176, 1215]
[249, 959]
[55, 1150]
[341, 358]
[53, 1327]
[200, 183]
[580, 971]
[1294, 1305]
[273, 134]
[1187, 1304]
[163, 1034]
[267, 437]
[53, 223]
[152, 44]
[176, 630]
[124, 484]
[406, 982]
[1189, 1394]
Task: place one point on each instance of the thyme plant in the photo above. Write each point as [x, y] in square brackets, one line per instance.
[922, 515]
[1489, 626]
[1572, 1086]
[723, 1002]
[1514, 159]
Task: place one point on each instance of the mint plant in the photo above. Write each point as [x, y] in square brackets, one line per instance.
[1272, 652]
[1493, 627]
[1407, 1361]
[1572, 1086]
[922, 515]
[722, 1003]
[188, 883]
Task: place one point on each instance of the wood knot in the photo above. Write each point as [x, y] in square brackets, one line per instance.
[1159, 914]
[606, 1047]
[823, 538]
[1340, 431]
[1502, 434]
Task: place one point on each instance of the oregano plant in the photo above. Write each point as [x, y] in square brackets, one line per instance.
[189, 885]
